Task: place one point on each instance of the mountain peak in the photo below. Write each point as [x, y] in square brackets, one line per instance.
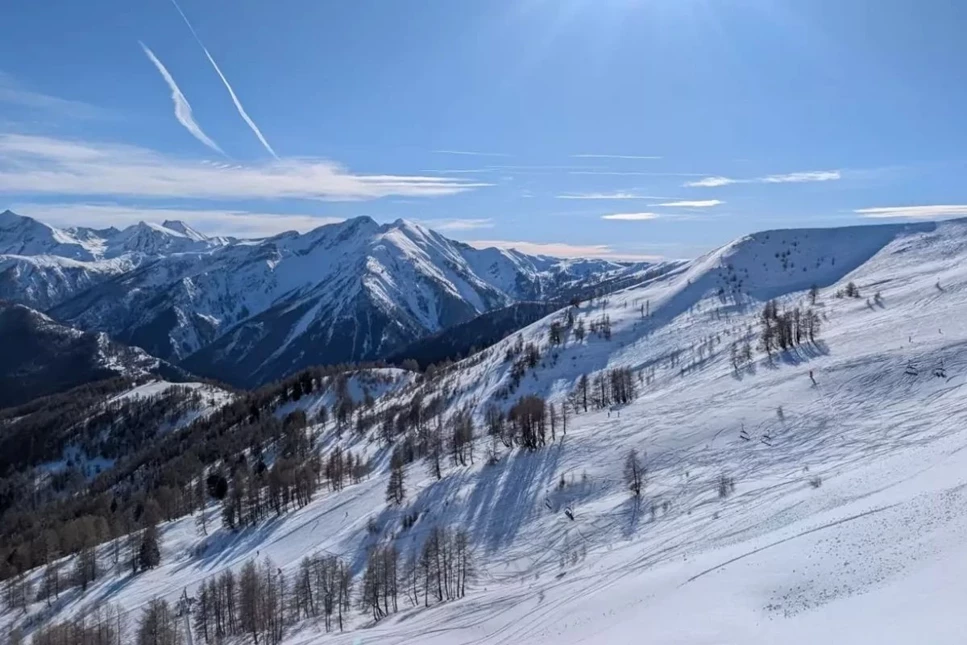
[361, 220]
[10, 218]
[179, 226]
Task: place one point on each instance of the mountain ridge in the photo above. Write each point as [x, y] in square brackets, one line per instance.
[249, 311]
[42, 357]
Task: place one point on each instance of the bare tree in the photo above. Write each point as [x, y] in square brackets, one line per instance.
[583, 389]
[18, 592]
[85, 567]
[395, 489]
[250, 604]
[634, 473]
[158, 625]
[379, 587]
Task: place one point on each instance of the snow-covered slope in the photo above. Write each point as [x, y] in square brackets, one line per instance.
[842, 513]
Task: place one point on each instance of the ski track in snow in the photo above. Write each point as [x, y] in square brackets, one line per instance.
[875, 553]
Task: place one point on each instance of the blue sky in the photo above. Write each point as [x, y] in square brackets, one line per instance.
[616, 128]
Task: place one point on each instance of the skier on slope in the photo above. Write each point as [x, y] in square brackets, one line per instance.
[811, 377]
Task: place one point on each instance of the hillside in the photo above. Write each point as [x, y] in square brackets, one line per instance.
[812, 492]
[41, 357]
[464, 339]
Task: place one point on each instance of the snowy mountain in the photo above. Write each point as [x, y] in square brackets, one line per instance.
[249, 311]
[24, 236]
[41, 357]
[42, 266]
[812, 491]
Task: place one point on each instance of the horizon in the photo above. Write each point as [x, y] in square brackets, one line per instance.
[489, 244]
[611, 129]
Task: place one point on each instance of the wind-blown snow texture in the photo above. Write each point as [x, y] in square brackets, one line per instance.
[250, 311]
[875, 554]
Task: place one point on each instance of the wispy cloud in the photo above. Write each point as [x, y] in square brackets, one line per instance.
[563, 249]
[457, 224]
[13, 93]
[697, 203]
[933, 211]
[631, 217]
[227, 222]
[712, 182]
[182, 107]
[522, 169]
[470, 153]
[801, 177]
[461, 171]
[34, 165]
[586, 156]
[606, 196]
[632, 173]
[790, 178]
[231, 92]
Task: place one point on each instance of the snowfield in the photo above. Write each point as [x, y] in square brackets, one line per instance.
[848, 517]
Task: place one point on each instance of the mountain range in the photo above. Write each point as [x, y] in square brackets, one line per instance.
[779, 423]
[247, 311]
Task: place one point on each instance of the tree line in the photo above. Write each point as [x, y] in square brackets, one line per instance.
[260, 602]
[157, 476]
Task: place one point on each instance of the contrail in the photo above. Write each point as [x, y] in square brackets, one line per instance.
[231, 92]
[182, 107]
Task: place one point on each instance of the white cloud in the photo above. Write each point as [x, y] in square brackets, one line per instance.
[712, 182]
[563, 250]
[43, 165]
[606, 196]
[801, 177]
[226, 222]
[650, 157]
[631, 217]
[934, 211]
[457, 224]
[790, 178]
[12, 93]
[699, 203]
[182, 107]
[238, 104]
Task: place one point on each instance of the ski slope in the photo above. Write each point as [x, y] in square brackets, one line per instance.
[849, 511]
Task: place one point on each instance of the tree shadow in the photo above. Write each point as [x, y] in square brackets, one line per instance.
[631, 511]
[804, 353]
[503, 499]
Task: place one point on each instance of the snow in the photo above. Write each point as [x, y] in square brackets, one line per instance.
[376, 382]
[213, 398]
[417, 280]
[872, 554]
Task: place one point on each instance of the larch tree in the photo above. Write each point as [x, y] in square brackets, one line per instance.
[395, 489]
[634, 473]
